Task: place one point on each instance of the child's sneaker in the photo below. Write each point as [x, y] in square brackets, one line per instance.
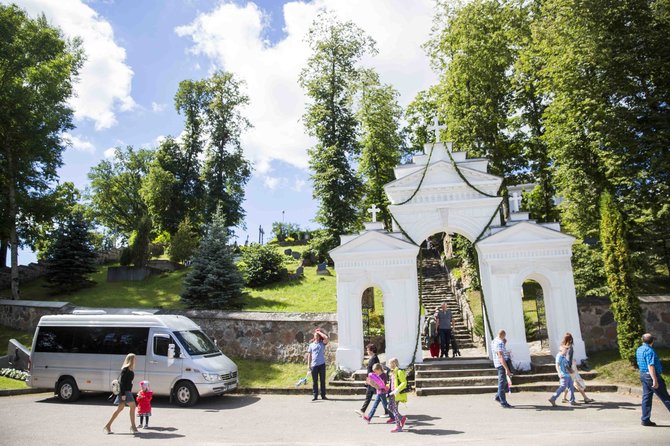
[366, 418]
[390, 421]
[396, 429]
[402, 421]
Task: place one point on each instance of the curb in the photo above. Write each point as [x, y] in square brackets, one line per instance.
[13, 392]
[628, 390]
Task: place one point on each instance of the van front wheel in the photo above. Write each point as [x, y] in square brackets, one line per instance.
[185, 394]
[67, 390]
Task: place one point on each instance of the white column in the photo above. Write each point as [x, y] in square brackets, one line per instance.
[401, 313]
[349, 355]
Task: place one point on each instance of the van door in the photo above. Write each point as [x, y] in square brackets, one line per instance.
[162, 370]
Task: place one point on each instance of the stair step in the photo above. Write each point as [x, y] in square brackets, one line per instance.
[455, 363]
[541, 387]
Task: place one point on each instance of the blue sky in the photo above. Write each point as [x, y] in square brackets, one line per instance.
[139, 51]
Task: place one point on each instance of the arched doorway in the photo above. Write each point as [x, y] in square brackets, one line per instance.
[534, 316]
[374, 330]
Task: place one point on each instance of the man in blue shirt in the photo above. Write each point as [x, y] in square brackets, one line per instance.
[650, 376]
[316, 361]
[500, 357]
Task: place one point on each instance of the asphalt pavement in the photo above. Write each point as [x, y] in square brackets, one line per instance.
[614, 419]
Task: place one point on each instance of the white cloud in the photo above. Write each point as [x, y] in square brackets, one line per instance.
[298, 185]
[274, 183]
[79, 144]
[232, 37]
[109, 153]
[156, 107]
[104, 83]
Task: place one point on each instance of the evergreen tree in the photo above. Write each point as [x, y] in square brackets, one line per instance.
[214, 280]
[71, 257]
[330, 80]
[625, 305]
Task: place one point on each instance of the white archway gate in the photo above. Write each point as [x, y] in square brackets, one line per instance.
[446, 192]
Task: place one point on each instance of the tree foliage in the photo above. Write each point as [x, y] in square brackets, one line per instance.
[184, 242]
[71, 258]
[206, 169]
[625, 305]
[214, 280]
[382, 143]
[330, 80]
[36, 76]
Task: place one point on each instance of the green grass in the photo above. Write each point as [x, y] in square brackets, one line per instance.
[274, 375]
[311, 293]
[159, 291]
[11, 384]
[612, 368]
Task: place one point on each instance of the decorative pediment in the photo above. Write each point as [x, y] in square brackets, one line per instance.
[526, 233]
[374, 243]
[442, 173]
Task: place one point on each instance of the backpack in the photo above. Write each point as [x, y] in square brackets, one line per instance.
[116, 387]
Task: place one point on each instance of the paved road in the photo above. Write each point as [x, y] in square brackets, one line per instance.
[39, 419]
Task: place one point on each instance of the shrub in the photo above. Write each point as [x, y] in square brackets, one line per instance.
[261, 265]
[183, 243]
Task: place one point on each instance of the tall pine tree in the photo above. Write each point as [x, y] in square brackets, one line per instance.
[214, 280]
[70, 259]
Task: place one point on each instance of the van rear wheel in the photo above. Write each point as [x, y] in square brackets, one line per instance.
[67, 390]
[185, 394]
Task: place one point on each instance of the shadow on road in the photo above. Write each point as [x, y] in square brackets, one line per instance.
[212, 404]
[432, 431]
[564, 408]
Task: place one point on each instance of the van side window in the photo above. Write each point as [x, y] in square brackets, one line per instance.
[161, 345]
[93, 340]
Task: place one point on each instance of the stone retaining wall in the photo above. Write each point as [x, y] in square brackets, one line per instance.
[599, 329]
[251, 335]
[25, 314]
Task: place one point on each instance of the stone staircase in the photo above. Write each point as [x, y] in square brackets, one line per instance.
[477, 375]
[436, 290]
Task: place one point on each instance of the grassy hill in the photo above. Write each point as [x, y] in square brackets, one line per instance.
[312, 293]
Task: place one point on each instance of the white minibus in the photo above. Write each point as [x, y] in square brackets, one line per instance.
[84, 352]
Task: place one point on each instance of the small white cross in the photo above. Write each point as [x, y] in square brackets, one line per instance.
[374, 211]
[436, 127]
[515, 202]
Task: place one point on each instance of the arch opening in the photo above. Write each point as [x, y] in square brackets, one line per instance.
[372, 307]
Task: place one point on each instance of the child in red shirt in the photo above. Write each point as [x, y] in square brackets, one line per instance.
[144, 403]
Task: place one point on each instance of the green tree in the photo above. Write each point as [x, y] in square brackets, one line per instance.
[381, 142]
[172, 189]
[330, 80]
[606, 66]
[70, 259]
[117, 201]
[37, 71]
[214, 280]
[184, 242]
[625, 304]
[226, 171]
[474, 47]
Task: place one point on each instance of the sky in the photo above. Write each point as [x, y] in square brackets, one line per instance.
[137, 52]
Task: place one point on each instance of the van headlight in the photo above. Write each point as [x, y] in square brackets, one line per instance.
[211, 377]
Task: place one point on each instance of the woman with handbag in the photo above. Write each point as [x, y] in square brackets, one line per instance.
[125, 396]
[578, 381]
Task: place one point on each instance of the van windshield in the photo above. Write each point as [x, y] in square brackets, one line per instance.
[196, 342]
